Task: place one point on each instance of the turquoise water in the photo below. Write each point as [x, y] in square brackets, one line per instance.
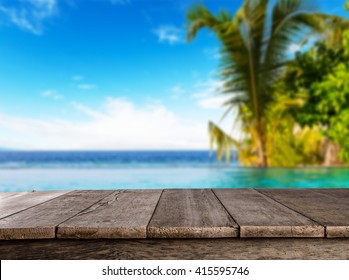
[152, 178]
[25, 171]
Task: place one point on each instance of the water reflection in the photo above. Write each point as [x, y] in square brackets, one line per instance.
[152, 178]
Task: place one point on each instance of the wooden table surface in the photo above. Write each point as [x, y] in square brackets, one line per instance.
[176, 214]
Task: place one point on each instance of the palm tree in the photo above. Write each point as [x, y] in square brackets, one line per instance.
[255, 44]
[288, 144]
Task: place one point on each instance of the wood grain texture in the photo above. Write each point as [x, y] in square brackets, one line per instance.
[8, 194]
[338, 193]
[16, 202]
[327, 209]
[40, 221]
[260, 216]
[123, 214]
[174, 249]
[191, 213]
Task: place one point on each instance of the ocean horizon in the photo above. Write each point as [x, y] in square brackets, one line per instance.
[111, 159]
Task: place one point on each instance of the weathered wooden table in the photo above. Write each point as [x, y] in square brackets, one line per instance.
[176, 224]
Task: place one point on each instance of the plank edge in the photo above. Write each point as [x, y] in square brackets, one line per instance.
[282, 232]
[192, 232]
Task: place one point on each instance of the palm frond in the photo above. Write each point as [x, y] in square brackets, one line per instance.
[223, 142]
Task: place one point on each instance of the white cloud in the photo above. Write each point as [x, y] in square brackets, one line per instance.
[29, 15]
[303, 45]
[52, 94]
[207, 94]
[293, 48]
[119, 125]
[32, 15]
[212, 103]
[177, 91]
[86, 86]
[87, 111]
[77, 78]
[169, 34]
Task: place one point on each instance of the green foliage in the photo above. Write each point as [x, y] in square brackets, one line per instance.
[286, 117]
[303, 76]
[333, 105]
[321, 77]
[254, 49]
[286, 145]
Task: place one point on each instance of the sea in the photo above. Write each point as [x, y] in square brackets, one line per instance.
[93, 170]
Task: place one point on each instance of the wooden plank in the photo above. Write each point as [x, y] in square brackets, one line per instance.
[17, 202]
[178, 249]
[339, 193]
[338, 231]
[40, 221]
[332, 211]
[8, 194]
[191, 213]
[123, 214]
[330, 207]
[260, 216]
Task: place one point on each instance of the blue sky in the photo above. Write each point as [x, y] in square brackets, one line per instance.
[108, 74]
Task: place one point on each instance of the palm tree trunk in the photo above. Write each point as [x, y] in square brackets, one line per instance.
[331, 154]
[262, 151]
[264, 155]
